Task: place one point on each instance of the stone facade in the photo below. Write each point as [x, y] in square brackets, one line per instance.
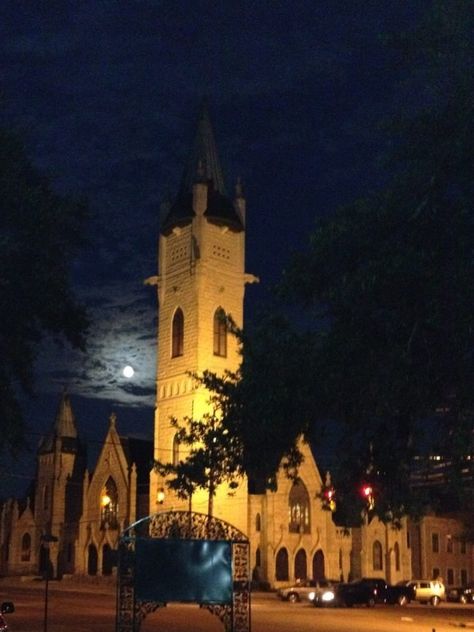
[201, 268]
[83, 512]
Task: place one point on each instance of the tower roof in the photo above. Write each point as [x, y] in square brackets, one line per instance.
[203, 162]
[203, 165]
[65, 424]
[64, 428]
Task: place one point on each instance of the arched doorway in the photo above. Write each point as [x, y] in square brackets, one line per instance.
[92, 561]
[107, 560]
[281, 566]
[301, 571]
[318, 565]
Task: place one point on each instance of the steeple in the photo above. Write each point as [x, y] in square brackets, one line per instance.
[203, 162]
[203, 168]
[64, 429]
[65, 424]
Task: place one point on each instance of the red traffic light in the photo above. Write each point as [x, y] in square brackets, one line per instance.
[367, 492]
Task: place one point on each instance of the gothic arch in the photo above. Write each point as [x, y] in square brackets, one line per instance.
[258, 523]
[177, 334]
[109, 503]
[299, 508]
[301, 569]
[92, 560]
[396, 553]
[318, 565]
[107, 559]
[377, 556]
[281, 565]
[26, 547]
[220, 333]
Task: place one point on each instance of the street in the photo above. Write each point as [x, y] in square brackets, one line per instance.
[77, 607]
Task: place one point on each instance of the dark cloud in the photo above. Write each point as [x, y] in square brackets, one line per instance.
[106, 94]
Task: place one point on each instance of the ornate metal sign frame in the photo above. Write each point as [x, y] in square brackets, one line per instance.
[183, 525]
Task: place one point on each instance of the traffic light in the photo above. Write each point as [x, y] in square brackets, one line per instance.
[367, 492]
[329, 498]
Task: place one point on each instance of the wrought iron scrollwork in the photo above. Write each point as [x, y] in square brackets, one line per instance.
[187, 526]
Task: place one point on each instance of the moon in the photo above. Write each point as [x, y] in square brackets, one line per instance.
[128, 371]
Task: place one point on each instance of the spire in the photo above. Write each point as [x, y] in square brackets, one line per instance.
[65, 424]
[203, 162]
[63, 432]
[203, 167]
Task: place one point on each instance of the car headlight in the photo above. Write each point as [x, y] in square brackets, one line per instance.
[328, 595]
[311, 595]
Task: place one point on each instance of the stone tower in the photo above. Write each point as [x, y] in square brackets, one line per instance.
[58, 494]
[201, 274]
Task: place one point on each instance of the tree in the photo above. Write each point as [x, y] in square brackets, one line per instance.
[214, 457]
[384, 351]
[40, 233]
[391, 276]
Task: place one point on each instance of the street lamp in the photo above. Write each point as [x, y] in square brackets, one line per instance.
[47, 539]
[160, 496]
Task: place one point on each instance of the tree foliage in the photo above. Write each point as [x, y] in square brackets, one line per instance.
[40, 232]
[210, 457]
[385, 356]
[392, 277]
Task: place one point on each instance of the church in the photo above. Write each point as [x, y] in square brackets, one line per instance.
[201, 276]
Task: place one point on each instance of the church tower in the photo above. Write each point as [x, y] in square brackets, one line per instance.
[58, 495]
[201, 275]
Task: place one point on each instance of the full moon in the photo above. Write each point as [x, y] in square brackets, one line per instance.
[128, 371]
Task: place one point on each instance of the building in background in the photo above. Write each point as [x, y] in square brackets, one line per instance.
[83, 511]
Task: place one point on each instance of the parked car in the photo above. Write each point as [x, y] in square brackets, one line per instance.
[428, 590]
[298, 591]
[369, 591]
[5, 608]
[323, 592]
[461, 594]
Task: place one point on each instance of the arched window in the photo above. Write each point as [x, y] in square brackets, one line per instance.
[177, 334]
[281, 566]
[175, 450]
[396, 550]
[377, 556]
[109, 505]
[45, 494]
[26, 547]
[220, 333]
[299, 516]
[258, 522]
[301, 571]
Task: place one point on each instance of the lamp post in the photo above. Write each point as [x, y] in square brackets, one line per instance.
[46, 539]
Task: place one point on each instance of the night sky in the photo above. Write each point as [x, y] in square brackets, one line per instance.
[106, 93]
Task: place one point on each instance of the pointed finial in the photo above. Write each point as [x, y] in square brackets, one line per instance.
[239, 190]
[112, 420]
[327, 482]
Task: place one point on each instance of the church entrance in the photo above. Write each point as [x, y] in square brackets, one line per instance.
[318, 565]
[92, 560]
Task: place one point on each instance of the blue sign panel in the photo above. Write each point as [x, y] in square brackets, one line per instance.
[198, 571]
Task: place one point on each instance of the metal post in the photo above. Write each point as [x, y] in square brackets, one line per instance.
[47, 539]
[45, 621]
